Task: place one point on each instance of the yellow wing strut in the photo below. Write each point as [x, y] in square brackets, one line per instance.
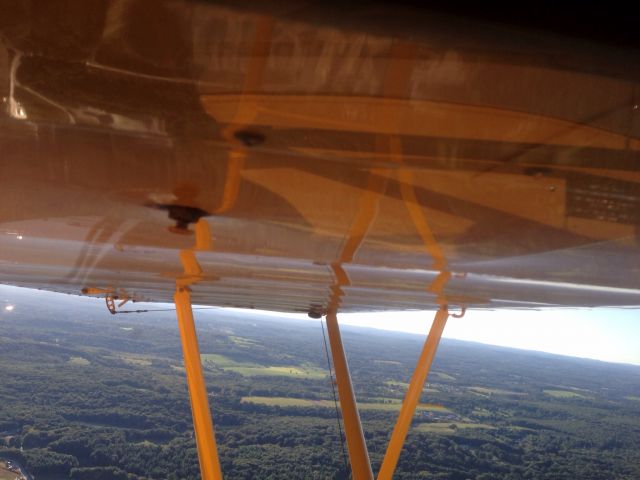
[202, 422]
[412, 396]
[358, 455]
[356, 445]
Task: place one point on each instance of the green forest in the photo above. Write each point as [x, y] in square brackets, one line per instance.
[86, 395]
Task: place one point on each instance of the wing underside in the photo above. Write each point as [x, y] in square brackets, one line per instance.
[331, 165]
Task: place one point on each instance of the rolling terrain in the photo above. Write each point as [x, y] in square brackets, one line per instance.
[87, 395]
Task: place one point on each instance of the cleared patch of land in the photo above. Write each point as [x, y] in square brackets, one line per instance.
[287, 402]
[242, 342]
[385, 404]
[517, 428]
[78, 361]
[433, 407]
[444, 376]
[402, 386]
[494, 391]
[481, 412]
[450, 428]
[563, 394]
[256, 370]
[138, 360]
[631, 397]
[394, 383]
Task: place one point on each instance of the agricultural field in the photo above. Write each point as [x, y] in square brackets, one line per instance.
[249, 369]
[83, 362]
[443, 376]
[564, 394]
[243, 342]
[494, 391]
[452, 428]
[391, 404]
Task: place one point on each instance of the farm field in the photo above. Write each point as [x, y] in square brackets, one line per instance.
[249, 369]
[564, 394]
[392, 404]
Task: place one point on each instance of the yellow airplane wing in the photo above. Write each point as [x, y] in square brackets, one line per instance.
[320, 156]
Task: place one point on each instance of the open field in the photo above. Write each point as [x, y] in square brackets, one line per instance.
[564, 394]
[443, 376]
[393, 404]
[255, 370]
[137, 360]
[394, 383]
[449, 428]
[242, 342]
[402, 387]
[133, 359]
[390, 404]
[78, 361]
[494, 391]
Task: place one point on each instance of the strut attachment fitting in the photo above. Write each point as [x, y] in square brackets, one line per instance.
[110, 299]
[183, 216]
[463, 310]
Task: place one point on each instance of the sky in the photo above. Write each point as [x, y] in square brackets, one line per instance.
[611, 335]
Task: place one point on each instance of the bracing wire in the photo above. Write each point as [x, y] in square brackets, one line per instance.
[160, 310]
[335, 400]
